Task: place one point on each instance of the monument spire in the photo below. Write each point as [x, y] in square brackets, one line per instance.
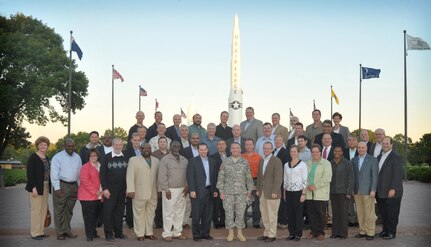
[235, 95]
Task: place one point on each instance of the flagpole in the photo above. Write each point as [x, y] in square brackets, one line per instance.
[69, 96]
[112, 74]
[405, 106]
[139, 97]
[155, 105]
[331, 103]
[314, 105]
[360, 95]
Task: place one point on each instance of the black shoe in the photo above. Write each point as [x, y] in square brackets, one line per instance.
[96, 236]
[370, 237]
[256, 226]
[37, 238]
[360, 235]
[61, 237]
[121, 236]
[381, 234]
[89, 239]
[334, 236]
[389, 236]
[262, 238]
[44, 236]
[341, 237]
[290, 238]
[110, 239]
[197, 239]
[70, 235]
[207, 237]
[297, 238]
[267, 240]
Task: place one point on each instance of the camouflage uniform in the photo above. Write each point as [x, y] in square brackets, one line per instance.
[234, 180]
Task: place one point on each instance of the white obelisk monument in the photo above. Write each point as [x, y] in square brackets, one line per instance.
[235, 95]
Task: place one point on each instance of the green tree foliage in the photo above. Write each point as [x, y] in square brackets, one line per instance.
[118, 132]
[80, 139]
[421, 151]
[370, 133]
[34, 73]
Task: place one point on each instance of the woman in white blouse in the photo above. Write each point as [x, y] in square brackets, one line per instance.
[295, 183]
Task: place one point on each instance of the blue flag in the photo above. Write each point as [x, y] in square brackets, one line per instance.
[75, 48]
[368, 73]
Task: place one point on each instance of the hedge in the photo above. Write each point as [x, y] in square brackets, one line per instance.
[419, 173]
[14, 176]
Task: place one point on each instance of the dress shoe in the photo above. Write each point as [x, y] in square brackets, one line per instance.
[69, 235]
[290, 238]
[151, 237]
[267, 240]
[310, 236]
[121, 236]
[96, 236]
[168, 239]
[341, 237]
[110, 239]
[186, 226]
[389, 236]
[370, 237]
[381, 234]
[89, 239]
[297, 238]
[360, 235]
[181, 237]
[353, 224]
[197, 239]
[44, 236]
[320, 238]
[140, 238]
[208, 237]
[37, 238]
[61, 237]
[334, 236]
[262, 238]
[256, 226]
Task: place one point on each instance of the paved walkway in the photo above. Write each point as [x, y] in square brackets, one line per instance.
[414, 228]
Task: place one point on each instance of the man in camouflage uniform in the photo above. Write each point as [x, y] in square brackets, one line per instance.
[235, 185]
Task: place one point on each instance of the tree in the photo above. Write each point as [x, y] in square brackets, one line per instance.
[398, 144]
[370, 133]
[34, 71]
[421, 150]
[118, 132]
[81, 139]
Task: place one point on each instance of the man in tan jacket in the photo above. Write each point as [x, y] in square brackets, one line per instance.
[268, 185]
[142, 188]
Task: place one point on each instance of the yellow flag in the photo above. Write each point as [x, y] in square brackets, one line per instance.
[335, 96]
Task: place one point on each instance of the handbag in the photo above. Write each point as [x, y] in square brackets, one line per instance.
[47, 219]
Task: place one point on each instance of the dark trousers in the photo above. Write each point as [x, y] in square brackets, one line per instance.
[158, 218]
[390, 211]
[351, 212]
[255, 207]
[90, 213]
[282, 210]
[63, 207]
[202, 209]
[113, 211]
[340, 207]
[295, 215]
[218, 213]
[317, 216]
[129, 212]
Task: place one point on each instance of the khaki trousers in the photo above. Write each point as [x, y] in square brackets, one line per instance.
[63, 207]
[143, 216]
[173, 212]
[187, 212]
[366, 214]
[39, 206]
[269, 211]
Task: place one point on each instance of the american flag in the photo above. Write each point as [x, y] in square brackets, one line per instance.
[117, 75]
[142, 92]
[183, 115]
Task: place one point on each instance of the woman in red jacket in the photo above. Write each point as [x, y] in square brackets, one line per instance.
[90, 194]
[38, 186]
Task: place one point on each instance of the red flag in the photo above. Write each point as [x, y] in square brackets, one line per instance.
[183, 115]
[117, 75]
[157, 104]
[142, 91]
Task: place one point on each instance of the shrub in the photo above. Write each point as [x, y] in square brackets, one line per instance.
[14, 176]
[422, 174]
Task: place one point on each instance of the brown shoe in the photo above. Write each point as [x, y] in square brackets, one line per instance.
[151, 237]
[140, 238]
[320, 237]
[310, 236]
[181, 237]
[186, 226]
[69, 235]
[168, 239]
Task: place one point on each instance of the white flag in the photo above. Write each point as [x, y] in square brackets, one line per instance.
[415, 43]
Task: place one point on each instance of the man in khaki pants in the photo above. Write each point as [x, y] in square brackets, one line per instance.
[268, 185]
[366, 171]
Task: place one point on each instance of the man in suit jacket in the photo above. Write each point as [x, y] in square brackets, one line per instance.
[389, 189]
[352, 148]
[299, 130]
[201, 182]
[192, 150]
[281, 153]
[236, 137]
[268, 186]
[327, 147]
[140, 116]
[252, 127]
[366, 171]
[365, 137]
[376, 148]
[173, 132]
[337, 139]
[278, 129]
[142, 188]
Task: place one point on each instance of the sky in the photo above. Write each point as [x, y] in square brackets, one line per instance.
[179, 51]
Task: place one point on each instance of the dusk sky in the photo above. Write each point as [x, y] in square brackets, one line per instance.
[291, 53]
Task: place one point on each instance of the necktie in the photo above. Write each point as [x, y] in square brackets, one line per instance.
[325, 153]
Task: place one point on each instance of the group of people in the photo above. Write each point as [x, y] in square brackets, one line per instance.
[165, 176]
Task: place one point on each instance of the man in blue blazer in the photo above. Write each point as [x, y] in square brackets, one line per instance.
[366, 171]
[201, 182]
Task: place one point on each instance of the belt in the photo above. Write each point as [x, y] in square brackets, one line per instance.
[67, 182]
